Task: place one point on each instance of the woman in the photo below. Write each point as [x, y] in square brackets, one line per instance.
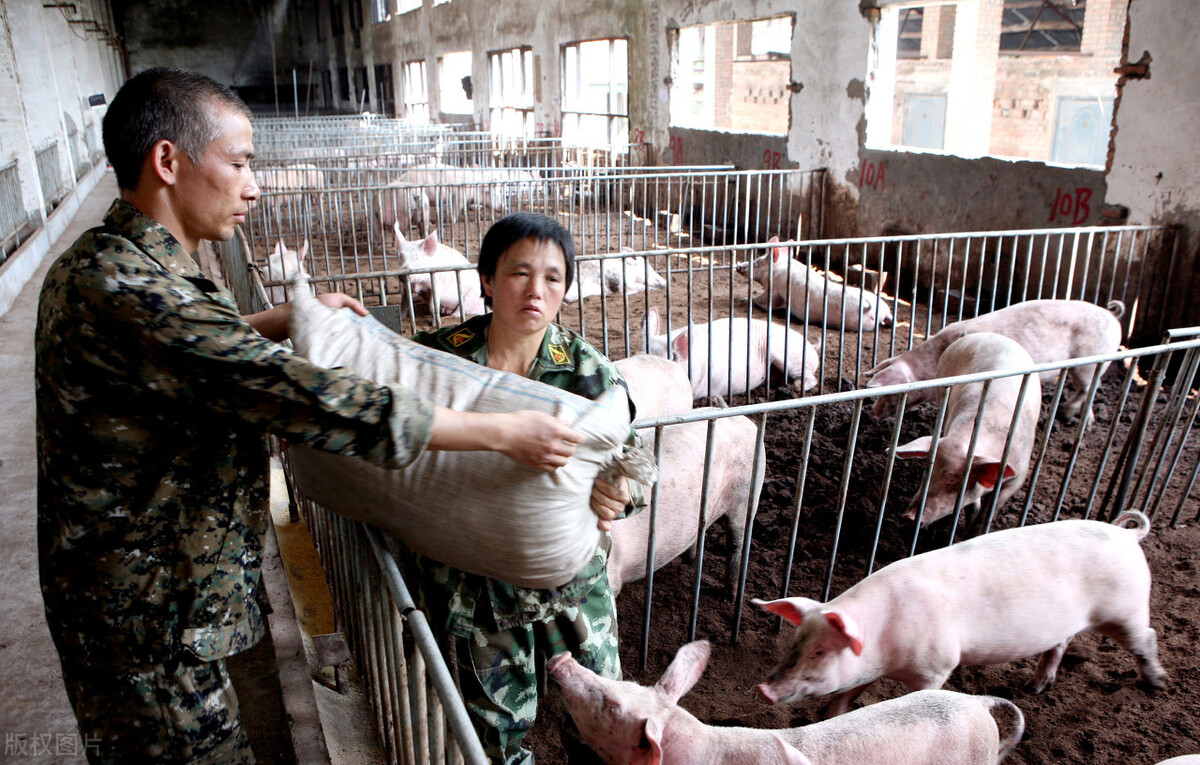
[502, 632]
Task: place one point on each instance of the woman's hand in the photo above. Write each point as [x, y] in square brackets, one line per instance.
[609, 501]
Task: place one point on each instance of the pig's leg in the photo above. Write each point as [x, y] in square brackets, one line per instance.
[1143, 643]
[841, 704]
[1047, 668]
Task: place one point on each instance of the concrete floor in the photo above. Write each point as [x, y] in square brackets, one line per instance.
[290, 718]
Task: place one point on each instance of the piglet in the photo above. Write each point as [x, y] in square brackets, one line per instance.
[657, 386]
[733, 341]
[996, 598]
[826, 296]
[626, 723]
[442, 291]
[732, 494]
[1050, 330]
[282, 265]
[612, 276]
[980, 352]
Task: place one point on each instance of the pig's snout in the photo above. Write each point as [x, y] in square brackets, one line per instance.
[555, 665]
[768, 695]
[886, 321]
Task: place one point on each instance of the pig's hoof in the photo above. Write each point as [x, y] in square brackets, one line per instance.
[1039, 685]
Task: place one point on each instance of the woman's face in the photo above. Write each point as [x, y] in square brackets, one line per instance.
[528, 286]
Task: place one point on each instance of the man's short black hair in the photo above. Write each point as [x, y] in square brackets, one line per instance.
[511, 229]
[163, 103]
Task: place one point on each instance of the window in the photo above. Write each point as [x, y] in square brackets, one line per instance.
[335, 18]
[380, 11]
[416, 92]
[733, 75]
[404, 6]
[1000, 79]
[385, 99]
[1042, 26]
[1081, 130]
[454, 83]
[595, 93]
[511, 85]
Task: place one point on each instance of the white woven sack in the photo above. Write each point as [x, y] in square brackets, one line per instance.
[478, 511]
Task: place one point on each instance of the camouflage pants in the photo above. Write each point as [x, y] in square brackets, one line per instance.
[185, 713]
[498, 672]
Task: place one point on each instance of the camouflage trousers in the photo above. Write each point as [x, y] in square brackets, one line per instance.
[498, 672]
[177, 713]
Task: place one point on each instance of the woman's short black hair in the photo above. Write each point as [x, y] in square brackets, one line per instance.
[511, 229]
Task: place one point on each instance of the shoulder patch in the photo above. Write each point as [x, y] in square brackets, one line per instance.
[460, 337]
[558, 353]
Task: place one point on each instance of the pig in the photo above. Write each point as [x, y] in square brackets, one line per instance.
[732, 489]
[404, 207]
[827, 296]
[282, 265]
[979, 352]
[287, 186]
[995, 598]
[657, 386]
[1185, 759]
[612, 276]
[1051, 330]
[627, 723]
[729, 343]
[442, 291]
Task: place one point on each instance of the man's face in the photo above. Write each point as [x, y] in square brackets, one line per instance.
[214, 194]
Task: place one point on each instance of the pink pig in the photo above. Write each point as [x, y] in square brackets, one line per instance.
[825, 294]
[734, 342]
[442, 291]
[1051, 330]
[980, 352]
[996, 598]
[626, 723]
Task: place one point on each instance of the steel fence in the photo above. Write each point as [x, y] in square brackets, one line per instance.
[50, 175]
[13, 215]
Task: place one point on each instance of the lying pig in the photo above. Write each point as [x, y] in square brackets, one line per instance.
[1051, 330]
[613, 276]
[980, 352]
[826, 296]
[996, 598]
[442, 292]
[657, 386]
[732, 489]
[282, 265]
[627, 723]
[727, 367]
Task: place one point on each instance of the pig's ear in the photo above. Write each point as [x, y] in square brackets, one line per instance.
[650, 749]
[680, 347]
[431, 243]
[626, 249]
[685, 669]
[303, 252]
[791, 755]
[279, 248]
[791, 609]
[846, 628]
[918, 448]
[987, 471]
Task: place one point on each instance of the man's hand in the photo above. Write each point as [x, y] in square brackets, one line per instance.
[537, 440]
[342, 300]
[534, 439]
[609, 501]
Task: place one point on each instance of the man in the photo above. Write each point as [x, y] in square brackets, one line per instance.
[153, 398]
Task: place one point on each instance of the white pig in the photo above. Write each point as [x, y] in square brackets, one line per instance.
[442, 291]
[979, 352]
[626, 723]
[282, 265]
[729, 344]
[681, 474]
[657, 386]
[825, 295]
[612, 276]
[996, 598]
[1051, 330]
